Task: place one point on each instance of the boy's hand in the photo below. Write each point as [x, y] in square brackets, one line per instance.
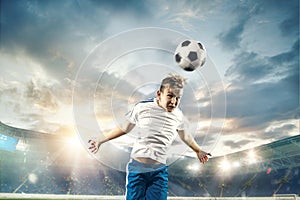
[203, 156]
[95, 145]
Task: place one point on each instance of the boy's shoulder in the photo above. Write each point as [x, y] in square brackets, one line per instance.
[150, 100]
[146, 104]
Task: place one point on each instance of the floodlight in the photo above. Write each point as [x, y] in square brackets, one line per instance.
[225, 165]
[236, 164]
[194, 167]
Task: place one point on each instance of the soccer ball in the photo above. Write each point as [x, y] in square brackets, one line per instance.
[190, 54]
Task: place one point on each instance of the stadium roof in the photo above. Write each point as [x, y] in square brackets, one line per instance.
[280, 154]
[277, 155]
[23, 133]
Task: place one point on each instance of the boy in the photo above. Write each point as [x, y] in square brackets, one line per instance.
[160, 121]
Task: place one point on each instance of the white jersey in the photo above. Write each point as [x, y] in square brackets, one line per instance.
[158, 129]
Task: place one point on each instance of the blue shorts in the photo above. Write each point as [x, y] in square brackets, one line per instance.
[146, 181]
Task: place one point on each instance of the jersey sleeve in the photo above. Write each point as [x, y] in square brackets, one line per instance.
[183, 124]
[131, 116]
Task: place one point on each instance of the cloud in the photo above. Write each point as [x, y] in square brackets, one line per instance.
[280, 17]
[279, 132]
[41, 96]
[136, 7]
[249, 67]
[232, 38]
[114, 96]
[288, 27]
[241, 14]
[9, 93]
[185, 14]
[29, 102]
[284, 58]
[288, 23]
[260, 104]
[56, 34]
[14, 107]
[237, 144]
[263, 89]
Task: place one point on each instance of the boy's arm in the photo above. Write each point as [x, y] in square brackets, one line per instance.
[189, 140]
[114, 133]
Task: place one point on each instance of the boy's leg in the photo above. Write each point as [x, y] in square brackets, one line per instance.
[158, 186]
[135, 187]
[135, 183]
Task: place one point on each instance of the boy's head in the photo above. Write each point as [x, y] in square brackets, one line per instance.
[170, 92]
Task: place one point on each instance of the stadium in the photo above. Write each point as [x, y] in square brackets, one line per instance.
[44, 166]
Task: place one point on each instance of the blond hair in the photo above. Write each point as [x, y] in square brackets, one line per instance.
[173, 81]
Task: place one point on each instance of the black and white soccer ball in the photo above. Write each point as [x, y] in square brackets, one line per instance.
[190, 54]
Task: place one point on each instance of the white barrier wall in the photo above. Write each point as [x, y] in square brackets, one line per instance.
[94, 197]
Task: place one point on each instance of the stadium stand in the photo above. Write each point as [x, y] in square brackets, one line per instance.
[42, 164]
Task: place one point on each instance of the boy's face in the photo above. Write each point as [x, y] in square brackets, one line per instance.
[169, 98]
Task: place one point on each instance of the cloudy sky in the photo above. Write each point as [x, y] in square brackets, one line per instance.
[75, 67]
